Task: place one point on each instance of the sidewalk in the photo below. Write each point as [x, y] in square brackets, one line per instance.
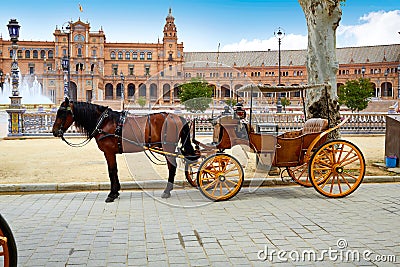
[140, 229]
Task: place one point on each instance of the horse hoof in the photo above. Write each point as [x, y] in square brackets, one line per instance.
[110, 199]
[165, 195]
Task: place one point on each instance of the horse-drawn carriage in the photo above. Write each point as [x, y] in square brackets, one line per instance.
[335, 168]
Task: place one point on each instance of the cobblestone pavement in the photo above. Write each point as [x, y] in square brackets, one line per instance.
[260, 228]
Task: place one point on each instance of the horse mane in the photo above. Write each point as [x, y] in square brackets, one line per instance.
[87, 114]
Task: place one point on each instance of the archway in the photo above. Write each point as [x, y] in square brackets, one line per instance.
[73, 91]
[109, 91]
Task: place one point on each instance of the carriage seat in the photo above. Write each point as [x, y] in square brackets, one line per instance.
[293, 145]
[314, 125]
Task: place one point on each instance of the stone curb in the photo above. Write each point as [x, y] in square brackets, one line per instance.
[157, 184]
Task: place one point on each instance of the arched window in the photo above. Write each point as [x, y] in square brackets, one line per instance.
[42, 54]
[134, 55]
[35, 54]
[112, 55]
[128, 55]
[149, 56]
[120, 55]
[50, 54]
[141, 55]
[79, 52]
[27, 54]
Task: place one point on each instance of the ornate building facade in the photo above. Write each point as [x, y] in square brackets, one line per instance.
[103, 71]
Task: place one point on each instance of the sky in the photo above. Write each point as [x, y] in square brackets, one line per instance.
[236, 25]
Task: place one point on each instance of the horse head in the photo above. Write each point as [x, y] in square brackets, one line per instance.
[64, 118]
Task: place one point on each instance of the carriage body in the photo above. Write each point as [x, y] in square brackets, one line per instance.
[335, 168]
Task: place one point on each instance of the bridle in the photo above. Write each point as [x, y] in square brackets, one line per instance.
[96, 131]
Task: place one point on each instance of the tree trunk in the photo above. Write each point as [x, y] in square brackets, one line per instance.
[322, 18]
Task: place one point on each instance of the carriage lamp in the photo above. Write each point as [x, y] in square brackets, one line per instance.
[279, 33]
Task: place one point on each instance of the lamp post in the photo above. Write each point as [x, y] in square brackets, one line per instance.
[398, 82]
[67, 29]
[122, 89]
[93, 93]
[1, 80]
[65, 66]
[386, 74]
[279, 33]
[15, 111]
[363, 71]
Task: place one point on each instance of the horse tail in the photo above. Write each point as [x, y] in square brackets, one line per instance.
[187, 148]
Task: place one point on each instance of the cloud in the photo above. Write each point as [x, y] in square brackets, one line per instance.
[289, 42]
[375, 28]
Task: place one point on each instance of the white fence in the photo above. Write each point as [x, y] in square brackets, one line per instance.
[41, 123]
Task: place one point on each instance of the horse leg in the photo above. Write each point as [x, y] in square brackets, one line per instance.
[113, 174]
[171, 162]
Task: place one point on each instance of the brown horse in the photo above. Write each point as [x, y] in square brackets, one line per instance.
[117, 133]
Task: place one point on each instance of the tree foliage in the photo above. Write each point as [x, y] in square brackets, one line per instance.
[285, 102]
[141, 101]
[196, 95]
[355, 94]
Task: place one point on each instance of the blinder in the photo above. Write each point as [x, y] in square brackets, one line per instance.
[62, 113]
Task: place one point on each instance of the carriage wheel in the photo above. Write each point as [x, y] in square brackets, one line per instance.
[337, 168]
[191, 170]
[299, 174]
[220, 177]
[8, 248]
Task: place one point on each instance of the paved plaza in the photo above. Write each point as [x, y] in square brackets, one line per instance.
[267, 226]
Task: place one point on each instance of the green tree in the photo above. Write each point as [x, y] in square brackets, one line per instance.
[355, 94]
[285, 102]
[196, 95]
[231, 102]
[141, 101]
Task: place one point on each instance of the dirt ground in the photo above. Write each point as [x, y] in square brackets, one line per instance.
[50, 160]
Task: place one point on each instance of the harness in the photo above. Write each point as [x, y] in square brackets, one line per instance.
[98, 130]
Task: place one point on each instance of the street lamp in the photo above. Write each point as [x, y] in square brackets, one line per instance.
[279, 33]
[65, 66]
[1, 79]
[363, 71]
[15, 112]
[93, 93]
[122, 89]
[398, 81]
[13, 30]
[386, 74]
[67, 30]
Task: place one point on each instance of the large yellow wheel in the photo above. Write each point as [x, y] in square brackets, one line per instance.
[337, 168]
[299, 174]
[220, 177]
[8, 248]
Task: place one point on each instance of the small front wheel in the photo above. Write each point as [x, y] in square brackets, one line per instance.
[191, 170]
[337, 168]
[299, 174]
[220, 177]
